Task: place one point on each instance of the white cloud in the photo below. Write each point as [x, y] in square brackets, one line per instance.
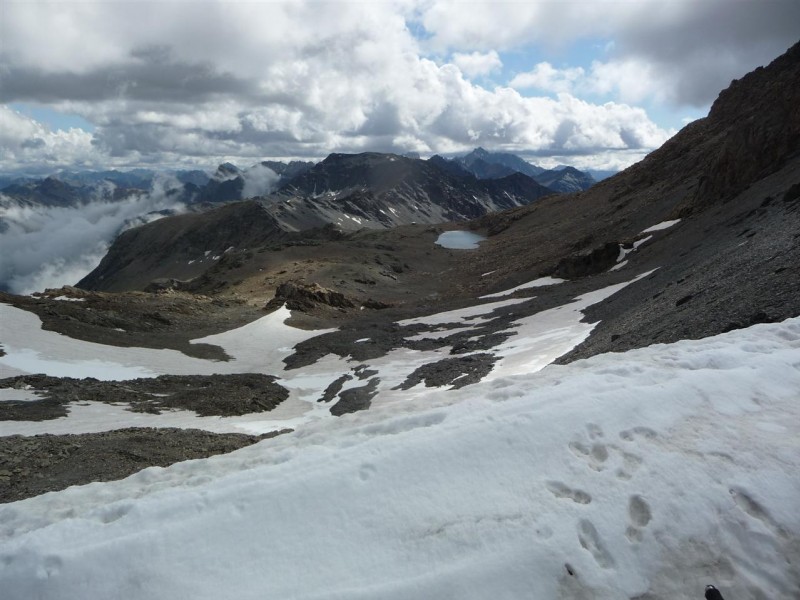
[25, 141]
[631, 80]
[46, 246]
[688, 49]
[258, 181]
[477, 64]
[183, 82]
[549, 79]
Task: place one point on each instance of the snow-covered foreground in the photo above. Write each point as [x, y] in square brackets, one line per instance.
[639, 475]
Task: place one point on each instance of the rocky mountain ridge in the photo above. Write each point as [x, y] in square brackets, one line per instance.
[385, 190]
[493, 165]
[343, 193]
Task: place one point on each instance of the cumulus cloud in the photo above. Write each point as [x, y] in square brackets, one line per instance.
[631, 81]
[45, 246]
[547, 78]
[692, 49]
[476, 64]
[24, 141]
[182, 83]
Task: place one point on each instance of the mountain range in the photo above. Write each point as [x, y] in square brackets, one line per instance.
[342, 193]
[493, 165]
[230, 183]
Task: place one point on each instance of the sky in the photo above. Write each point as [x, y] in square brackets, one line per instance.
[180, 84]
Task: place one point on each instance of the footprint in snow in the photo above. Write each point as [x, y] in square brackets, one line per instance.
[600, 455]
[594, 455]
[753, 509]
[366, 471]
[639, 516]
[594, 431]
[630, 435]
[590, 540]
[560, 490]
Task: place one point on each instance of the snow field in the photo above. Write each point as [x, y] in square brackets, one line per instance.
[540, 282]
[260, 347]
[650, 472]
[31, 349]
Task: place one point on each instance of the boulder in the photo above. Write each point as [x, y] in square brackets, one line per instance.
[306, 296]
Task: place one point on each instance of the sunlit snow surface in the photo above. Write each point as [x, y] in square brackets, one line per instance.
[644, 474]
[660, 226]
[260, 347]
[24, 395]
[255, 347]
[540, 282]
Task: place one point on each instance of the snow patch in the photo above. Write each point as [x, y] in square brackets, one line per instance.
[660, 226]
[16, 395]
[543, 337]
[473, 314]
[540, 282]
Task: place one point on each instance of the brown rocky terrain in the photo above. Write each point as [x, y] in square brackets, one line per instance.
[30, 466]
[206, 395]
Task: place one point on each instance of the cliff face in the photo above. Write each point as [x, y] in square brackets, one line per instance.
[752, 130]
[756, 122]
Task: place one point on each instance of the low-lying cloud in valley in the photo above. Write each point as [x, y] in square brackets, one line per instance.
[259, 180]
[50, 246]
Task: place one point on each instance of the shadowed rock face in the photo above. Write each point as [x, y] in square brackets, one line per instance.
[301, 296]
[598, 260]
[757, 123]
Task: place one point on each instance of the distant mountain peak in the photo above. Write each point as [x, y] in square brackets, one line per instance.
[484, 164]
[226, 171]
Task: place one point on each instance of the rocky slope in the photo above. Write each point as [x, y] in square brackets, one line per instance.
[487, 165]
[53, 192]
[566, 180]
[342, 193]
[386, 190]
